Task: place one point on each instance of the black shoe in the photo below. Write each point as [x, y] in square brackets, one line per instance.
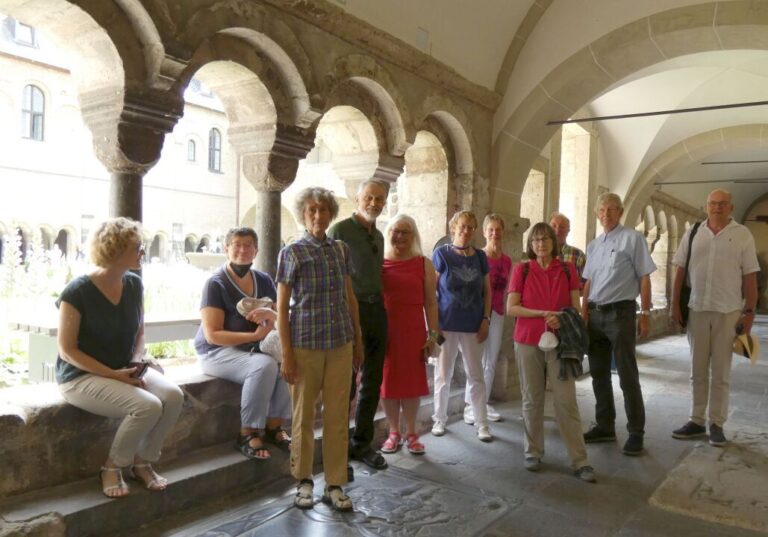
[599, 434]
[350, 474]
[716, 436]
[370, 457]
[634, 445]
[689, 430]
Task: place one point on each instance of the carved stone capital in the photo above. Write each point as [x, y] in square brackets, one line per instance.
[128, 132]
[292, 144]
[389, 168]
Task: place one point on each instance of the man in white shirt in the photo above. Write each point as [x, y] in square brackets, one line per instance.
[723, 265]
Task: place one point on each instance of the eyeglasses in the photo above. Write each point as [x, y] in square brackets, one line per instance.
[465, 227]
[539, 240]
[718, 203]
[401, 232]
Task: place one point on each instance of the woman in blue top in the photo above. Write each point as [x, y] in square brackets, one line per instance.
[464, 309]
[228, 345]
[101, 328]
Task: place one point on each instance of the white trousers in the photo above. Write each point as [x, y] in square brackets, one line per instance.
[710, 335]
[149, 414]
[472, 353]
[490, 355]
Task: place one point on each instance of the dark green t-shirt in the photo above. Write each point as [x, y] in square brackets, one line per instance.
[367, 251]
[107, 331]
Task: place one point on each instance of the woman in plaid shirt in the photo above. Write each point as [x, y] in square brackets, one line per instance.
[320, 337]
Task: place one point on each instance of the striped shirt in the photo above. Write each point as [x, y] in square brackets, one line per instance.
[317, 271]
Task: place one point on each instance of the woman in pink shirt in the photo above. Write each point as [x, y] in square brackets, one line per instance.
[538, 290]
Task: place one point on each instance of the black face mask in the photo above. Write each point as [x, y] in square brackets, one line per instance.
[240, 270]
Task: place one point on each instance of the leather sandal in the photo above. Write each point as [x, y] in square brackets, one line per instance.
[243, 445]
[414, 445]
[278, 437]
[392, 443]
[121, 484]
[334, 496]
[304, 498]
[156, 482]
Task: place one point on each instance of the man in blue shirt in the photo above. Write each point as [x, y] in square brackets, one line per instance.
[618, 268]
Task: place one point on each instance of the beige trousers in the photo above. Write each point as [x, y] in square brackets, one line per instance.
[149, 413]
[536, 368]
[328, 372]
[710, 335]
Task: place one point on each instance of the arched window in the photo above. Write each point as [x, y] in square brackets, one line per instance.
[214, 150]
[191, 151]
[33, 113]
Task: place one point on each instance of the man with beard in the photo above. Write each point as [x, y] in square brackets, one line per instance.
[366, 245]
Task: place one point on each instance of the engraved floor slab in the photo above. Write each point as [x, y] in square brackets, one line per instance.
[395, 502]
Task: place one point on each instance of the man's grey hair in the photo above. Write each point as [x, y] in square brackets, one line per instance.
[609, 197]
[317, 194]
[415, 244]
[558, 214]
[378, 182]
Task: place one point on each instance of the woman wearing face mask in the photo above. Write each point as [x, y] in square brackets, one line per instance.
[538, 290]
[228, 345]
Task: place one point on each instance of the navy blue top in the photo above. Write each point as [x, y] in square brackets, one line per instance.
[107, 331]
[460, 288]
[222, 292]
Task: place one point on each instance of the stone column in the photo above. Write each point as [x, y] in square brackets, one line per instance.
[282, 162]
[128, 135]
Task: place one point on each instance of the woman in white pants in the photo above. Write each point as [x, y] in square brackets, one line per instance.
[101, 328]
[500, 267]
[464, 308]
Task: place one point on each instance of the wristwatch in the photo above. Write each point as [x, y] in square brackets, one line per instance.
[487, 318]
[645, 312]
[748, 311]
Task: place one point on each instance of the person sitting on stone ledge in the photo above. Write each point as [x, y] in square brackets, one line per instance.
[101, 329]
[228, 344]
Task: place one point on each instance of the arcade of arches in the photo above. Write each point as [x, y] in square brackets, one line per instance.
[314, 92]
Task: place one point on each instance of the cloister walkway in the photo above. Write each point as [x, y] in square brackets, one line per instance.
[463, 487]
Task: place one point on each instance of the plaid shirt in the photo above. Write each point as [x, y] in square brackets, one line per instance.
[316, 271]
[571, 254]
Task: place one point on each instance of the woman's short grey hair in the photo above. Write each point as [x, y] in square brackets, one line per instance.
[415, 243]
[609, 197]
[469, 215]
[493, 217]
[317, 194]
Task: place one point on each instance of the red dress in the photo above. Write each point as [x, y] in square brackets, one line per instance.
[405, 372]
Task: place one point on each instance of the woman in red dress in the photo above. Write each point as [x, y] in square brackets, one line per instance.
[412, 329]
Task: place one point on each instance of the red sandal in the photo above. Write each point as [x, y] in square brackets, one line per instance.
[413, 444]
[392, 443]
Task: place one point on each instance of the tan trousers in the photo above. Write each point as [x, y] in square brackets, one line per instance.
[149, 414]
[710, 335]
[536, 369]
[328, 372]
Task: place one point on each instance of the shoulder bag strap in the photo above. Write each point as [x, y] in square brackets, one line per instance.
[690, 247]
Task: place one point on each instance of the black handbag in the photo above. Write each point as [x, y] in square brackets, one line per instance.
[685, 291]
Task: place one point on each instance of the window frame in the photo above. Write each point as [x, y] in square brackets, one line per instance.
[191, 144]
[214, 150]
[32, 118]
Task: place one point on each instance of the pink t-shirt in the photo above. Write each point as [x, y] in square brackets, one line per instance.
[542, 290]
[498, 270]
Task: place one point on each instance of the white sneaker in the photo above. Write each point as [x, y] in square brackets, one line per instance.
[484, 433]
[492, 413]
[469, 415]
[438, 429]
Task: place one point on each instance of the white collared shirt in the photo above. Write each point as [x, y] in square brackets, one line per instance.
[717, 265]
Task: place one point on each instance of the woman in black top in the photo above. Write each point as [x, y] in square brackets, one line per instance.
[101, 329]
